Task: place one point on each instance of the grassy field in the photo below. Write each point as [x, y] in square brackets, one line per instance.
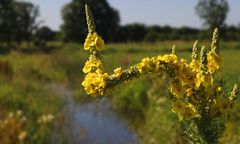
[27, 74]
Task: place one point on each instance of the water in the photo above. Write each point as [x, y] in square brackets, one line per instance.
[93, 123]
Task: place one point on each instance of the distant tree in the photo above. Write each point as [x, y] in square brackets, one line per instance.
[26, 14]
[151, 36]
[133, 32]
[187, 33]
[74, 27]
[45, 33]
[17, 20]
[6, 20]
[232, 33]
[213, 12]
[155, 28]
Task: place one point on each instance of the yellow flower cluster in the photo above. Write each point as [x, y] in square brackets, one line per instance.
[94, 41]
[184, 110]
[117, 72]
[177, 90]
[213, 62]
[154, 64]
[195, 65]
[92, 65]
[95, 83]
[168, 58]
[95, 80]
[145, 65]
[191, 82]
[184, 73]
[12, 128]
[205, 80]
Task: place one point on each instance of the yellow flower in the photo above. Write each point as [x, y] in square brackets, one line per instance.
[89, 41]
[153, 65]
[189, 112]
[189, 91]
[199, 79]
[117, 72]
[178, 106]
[169, 58]
[93, 40]
[205, 79]
[177, 90]
[185, 110]
[94, 83]
[194, 65]
[144, 65]
[184, 73]
[92, 65]
[99, 43]
[213, 62]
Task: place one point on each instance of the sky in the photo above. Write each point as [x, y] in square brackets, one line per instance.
[175, 13]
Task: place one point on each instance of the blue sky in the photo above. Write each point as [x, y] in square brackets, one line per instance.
[160, 12]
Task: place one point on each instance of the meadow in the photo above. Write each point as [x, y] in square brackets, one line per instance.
[27, 75]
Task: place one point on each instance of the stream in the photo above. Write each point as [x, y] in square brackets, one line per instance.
[94, 122]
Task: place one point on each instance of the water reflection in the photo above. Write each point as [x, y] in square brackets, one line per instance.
[95, 123]
[98, 124]
[92, 123]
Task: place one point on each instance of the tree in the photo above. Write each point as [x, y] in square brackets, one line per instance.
[74, 27]
[26, 14]
[133, 32]
[213, 12]
[17, 20]
[45, 33]
[151, 36]
[6, 20]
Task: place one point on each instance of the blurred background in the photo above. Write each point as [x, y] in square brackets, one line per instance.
[41, 57]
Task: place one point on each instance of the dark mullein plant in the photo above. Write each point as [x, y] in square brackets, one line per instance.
[196, 95]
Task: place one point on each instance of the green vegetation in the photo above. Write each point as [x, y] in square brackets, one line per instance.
[26, 86]
[26, 80]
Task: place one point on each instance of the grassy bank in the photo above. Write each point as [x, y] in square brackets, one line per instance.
[25, 87]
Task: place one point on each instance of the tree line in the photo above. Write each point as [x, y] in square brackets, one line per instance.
[18, 23]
